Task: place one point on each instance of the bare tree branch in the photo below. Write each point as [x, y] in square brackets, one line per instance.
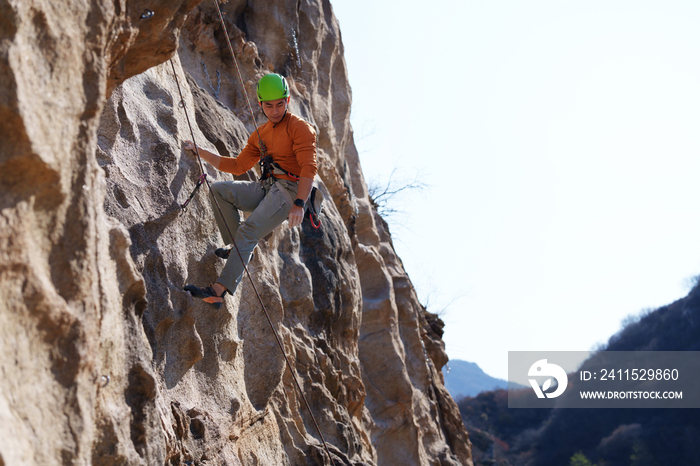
[384, 195]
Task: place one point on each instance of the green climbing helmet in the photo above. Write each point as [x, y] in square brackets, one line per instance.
[272, 87]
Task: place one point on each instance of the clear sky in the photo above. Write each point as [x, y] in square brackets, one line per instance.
[561, 144]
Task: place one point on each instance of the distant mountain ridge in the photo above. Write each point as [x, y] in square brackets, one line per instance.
[464, 378]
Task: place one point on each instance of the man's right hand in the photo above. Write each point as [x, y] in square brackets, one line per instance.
[189, 145]
[212, 159]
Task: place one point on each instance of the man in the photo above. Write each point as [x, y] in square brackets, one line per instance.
[291, 143]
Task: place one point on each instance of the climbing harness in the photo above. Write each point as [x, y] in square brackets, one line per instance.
[203, 179]
[270, 168]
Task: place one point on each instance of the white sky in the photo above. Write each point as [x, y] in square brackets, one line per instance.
[560, 140]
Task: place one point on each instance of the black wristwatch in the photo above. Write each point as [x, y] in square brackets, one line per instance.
[299, 203]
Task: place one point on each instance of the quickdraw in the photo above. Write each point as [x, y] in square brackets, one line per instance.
[201, 180]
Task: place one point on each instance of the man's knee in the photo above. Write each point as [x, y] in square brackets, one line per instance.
[252, 232]
[248, 233]
[217, 188]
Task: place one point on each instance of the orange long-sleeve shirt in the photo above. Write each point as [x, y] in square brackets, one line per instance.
[291, 143]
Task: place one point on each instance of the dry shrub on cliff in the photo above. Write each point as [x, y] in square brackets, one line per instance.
[388, 196]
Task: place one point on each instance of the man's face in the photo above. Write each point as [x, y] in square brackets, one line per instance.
[274, 109]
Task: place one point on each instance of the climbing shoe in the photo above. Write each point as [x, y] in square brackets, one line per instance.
[223, 252]
[206, 294]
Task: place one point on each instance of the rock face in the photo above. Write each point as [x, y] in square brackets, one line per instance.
[105, 360]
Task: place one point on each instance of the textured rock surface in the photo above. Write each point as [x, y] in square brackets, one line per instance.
[105, 360]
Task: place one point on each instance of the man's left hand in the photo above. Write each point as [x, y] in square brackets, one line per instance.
[296, 216]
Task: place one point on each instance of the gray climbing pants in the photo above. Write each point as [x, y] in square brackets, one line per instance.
[269, 205]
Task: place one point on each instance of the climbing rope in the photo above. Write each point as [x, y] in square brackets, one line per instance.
[263, 149]
[203, 178]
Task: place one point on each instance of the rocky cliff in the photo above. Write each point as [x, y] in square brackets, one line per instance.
[105, 360]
